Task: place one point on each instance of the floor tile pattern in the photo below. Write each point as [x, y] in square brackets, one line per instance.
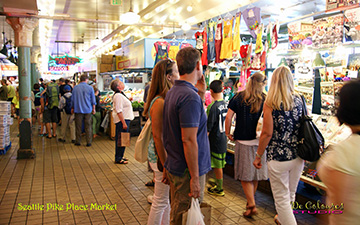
[64, 178]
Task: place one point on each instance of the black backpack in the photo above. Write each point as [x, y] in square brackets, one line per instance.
[67, 107]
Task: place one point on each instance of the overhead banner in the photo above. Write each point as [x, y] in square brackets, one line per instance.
[62, 63]
[9, 70]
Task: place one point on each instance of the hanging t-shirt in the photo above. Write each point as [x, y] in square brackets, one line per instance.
[218, 41]
[174, 49]
[204, 60]
[199, 40]
[216, 113]
[259, 45]
[252, 19]
[162, 50]
[184, 45]
[211, 41]
[226, 45]
[274, 38]
[236, 37]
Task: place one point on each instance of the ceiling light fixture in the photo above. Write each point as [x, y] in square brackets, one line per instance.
[130, 17]
[97, 41]
[189, 8]
[185, 26]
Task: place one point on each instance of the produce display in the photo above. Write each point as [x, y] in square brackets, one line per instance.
[135, 95]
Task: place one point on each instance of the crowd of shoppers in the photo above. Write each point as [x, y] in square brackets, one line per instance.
[55, 103]
[196, 141]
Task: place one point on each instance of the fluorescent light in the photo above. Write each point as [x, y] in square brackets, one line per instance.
[129, 18]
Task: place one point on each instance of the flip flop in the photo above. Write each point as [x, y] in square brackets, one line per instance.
[121, 162]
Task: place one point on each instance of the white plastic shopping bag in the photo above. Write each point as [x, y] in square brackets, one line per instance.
[195, 217]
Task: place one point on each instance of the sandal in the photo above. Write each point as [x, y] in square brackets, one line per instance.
[252, 211]
[121, 162]
[48, 137]
[125, 159]
[149, 183]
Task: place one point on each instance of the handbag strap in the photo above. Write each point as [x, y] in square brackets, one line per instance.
[304, 106]
[152, 102]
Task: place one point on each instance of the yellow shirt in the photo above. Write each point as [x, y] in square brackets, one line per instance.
[16, 102]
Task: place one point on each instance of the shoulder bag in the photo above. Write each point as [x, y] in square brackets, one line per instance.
[142, 142]
[310, 140]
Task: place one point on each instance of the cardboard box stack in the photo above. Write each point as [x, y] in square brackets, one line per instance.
[5, 122]
[106, 63]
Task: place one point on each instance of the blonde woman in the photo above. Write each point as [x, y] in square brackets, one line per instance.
[279, 136]
[247, 105]
[164, 75]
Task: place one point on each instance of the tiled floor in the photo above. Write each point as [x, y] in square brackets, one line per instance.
[64, 178]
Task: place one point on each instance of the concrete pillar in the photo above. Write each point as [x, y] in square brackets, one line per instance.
[35, 52]
[23, 29]
[33, 75]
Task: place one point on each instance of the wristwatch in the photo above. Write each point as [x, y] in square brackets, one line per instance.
[257, 155]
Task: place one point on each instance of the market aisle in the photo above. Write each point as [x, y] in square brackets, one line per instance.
[64, 177]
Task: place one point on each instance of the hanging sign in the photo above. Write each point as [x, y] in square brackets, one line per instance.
[127, 42]
[62, 63]
[115, 2]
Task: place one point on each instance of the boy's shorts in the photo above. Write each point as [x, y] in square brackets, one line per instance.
[218, 160]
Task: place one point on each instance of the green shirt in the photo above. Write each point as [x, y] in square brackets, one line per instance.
[11, 91]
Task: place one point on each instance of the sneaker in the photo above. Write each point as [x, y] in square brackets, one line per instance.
[214, 191]
[77, 144]
[61, 140]
[88, 145]
[150, 198]
[212, 182]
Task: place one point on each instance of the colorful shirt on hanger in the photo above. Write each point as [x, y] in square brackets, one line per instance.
[252, 19]
[162, 50]
[199, 40]
[174, 49]
[226, 45]
[236, 37]
[259, 45]
[211, 41]
[274, 38]
[184, 45]
[218, 41]
[204, 60]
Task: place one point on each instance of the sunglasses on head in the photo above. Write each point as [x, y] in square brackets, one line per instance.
[169, 61]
